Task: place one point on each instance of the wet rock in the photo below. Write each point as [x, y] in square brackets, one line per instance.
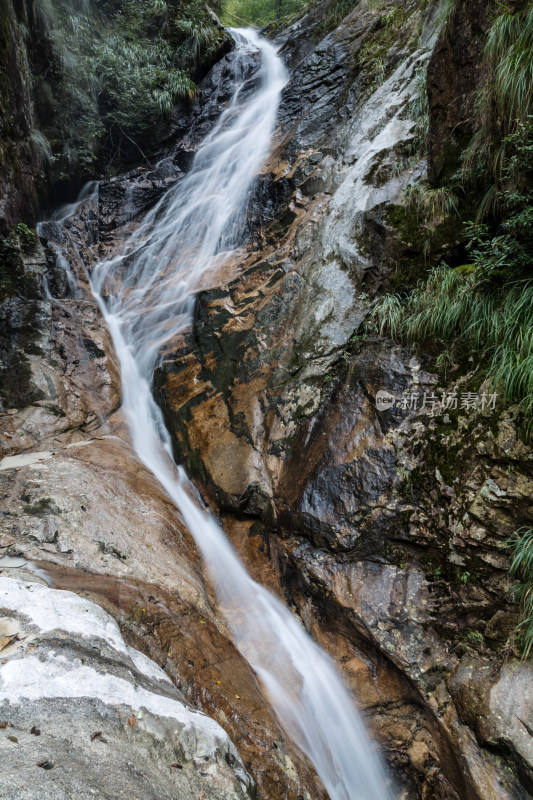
[124, 199]
[20, 165]
[383, 528]
[289, 317]
[57, 370]
[498, 705]
[134, 732]
[116, 539]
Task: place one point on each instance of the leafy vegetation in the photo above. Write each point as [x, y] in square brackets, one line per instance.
[494, 325]
[521, 549]
[429, 203]
[259, 13]
[506, 100]
[113, 73]
[483, 308]
[139, 83]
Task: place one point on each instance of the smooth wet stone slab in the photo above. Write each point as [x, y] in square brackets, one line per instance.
[89, 717]
[24, 460]
[12, 563]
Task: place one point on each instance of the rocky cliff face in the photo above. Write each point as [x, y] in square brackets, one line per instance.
[20, 162]
[381, 527]
[86, 89]
[385, 526]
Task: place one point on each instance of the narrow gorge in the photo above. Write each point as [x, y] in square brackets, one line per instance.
[265, 389]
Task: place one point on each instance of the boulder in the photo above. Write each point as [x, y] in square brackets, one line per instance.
[84, 715]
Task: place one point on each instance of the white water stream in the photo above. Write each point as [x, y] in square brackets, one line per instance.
[146, 293]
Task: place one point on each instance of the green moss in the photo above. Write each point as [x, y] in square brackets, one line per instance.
[55, 410]
[413, 263]
[41, 508]
[394, 25]
[407, 222]
[465, 269]
[379, 173]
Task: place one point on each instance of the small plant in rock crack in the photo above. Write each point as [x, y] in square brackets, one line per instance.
[474, 637]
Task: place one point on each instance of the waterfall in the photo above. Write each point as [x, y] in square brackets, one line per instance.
[146, 294]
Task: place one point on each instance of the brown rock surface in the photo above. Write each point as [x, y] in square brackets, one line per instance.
[384, 529]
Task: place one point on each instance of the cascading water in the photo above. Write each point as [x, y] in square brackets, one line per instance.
[146, 293]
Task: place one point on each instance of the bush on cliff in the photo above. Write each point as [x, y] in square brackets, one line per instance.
[112, 74]
[485, 307]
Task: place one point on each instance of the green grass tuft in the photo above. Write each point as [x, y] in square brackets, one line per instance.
[506, 100]
[419, 110]
[430, 203]
[495, 324]
[521, 548]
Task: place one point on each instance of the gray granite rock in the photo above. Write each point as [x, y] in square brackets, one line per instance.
[83, 715]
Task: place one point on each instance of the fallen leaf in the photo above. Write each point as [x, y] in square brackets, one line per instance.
[35, 731]
[177, 766]
[131, 721]
[98, 735]
[13, 739]
[46, 764]
[8, 435]
[3, 725]
[5, 640]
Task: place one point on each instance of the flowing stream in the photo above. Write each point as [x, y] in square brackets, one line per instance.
[146, 293]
